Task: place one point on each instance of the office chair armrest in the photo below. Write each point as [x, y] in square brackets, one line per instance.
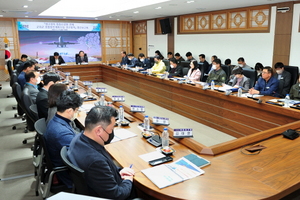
[59, 169]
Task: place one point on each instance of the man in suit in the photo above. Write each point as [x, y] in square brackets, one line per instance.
[124, 60]
[217, 74]
[42, 98]
[59, 132]
[81, 58]
[143, 62]
[132, 60]
[32, 80]
[189, 56]
[175, 69]
[56, 59]
[28, 66]
[104, 179]
[205, 66]
[20, 64]
[284, 78]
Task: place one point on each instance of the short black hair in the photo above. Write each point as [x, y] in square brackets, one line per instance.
[158, 52]
[158, 57]
[202, 55]
[124, 52]
[227, 61]
[130, 54]
[141, 55]
[217, 61]
[177, 54]
[80, 52]
[29, 75]
[170, 53]
[238, 70]
[259, 66]
[99, 115]
[24, 56]
[173, 60]
[241, 59]
[50, 76]
[215, 57]
[278, 65]
[56, 54]
[270, 70]
[68, 99]
[28, 64]
[188, 54]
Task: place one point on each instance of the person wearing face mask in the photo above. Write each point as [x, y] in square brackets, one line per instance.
[242, 63]
[295, 90]
[143, 62]
[240, 80]
[159, 66]
[132, 60]
[175, 69]
[32, 80]
[59, 132]
[194, 73]
[258, 68]
[217, 74]
[284, 78]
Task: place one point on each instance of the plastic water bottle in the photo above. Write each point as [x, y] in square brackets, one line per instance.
[89, 92]
[121, 114]
[165, 139]
[76, 85]
[287, 101]
[102, 100]
[212, 85]
[67, 80]
[240, 91]
[146, 123]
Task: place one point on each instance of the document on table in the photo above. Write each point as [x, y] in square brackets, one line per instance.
[86, 107]
[225, 87]
[152, 156]
[291, 102]
[252, 96]
[122, 134]
[169, 174]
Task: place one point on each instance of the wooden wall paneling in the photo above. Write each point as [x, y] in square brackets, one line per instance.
[171, 38]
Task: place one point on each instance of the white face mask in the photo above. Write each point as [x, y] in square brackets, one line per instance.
[129, 58]
[279, 71]
[214, 67]
[38, 80]
[74, 116]
[240, 65]
[171, 66]
[142, 59]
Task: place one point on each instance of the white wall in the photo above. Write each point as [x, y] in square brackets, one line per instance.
[254, 47]
[156, 42]
[295, 40]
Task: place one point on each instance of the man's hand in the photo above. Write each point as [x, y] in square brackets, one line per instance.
[127, 173]
[253, 91]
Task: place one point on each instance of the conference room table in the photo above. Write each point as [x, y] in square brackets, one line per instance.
[272, 174]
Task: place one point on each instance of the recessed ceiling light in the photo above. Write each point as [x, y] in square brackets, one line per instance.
[64, 17]
[201, 8]
[30, 0]
[1, 15]
[96, 18]
[25, 6]
[118, 19]
[158, 8]
[110, 16]
[26, 16]
[135, 12]
[190, 1]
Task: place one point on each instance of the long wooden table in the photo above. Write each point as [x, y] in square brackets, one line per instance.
[272, 174]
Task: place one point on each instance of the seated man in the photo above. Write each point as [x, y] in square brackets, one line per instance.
[284, 78]
[267, 84]
[59, 132]
[170, 55]
[32, 80]
[205, 64]
[42, 98]
[132, 60]
[295, 90]
[104, 179]
[217, 74]
[81, 58]
[143, 63]
[20, 64]
[28, 66]
[124, 60]
[179, 58]
[189, 56]
[239, 79]
[175, 69]
[56, 59]
[159, 66]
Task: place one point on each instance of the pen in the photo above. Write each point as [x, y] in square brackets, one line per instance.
[131, 166]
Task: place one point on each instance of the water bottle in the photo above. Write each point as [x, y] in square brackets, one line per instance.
[287, 101]
[76, 85]
[67, 80]
[212, 85]
[121, 114]
[146, 123]
[89, 91]
[165, 139]
[102, 100]
[240, 91]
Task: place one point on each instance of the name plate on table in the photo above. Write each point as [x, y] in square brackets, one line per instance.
[134, 108]
[118, 98]
[182, 132]
[87, 83]
[76, 77]
[101, 90]
[67, 73]
[160, 121]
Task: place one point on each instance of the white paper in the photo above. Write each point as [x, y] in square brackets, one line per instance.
[86, 107]
[152, 156]
[250, 95]
[122, 134]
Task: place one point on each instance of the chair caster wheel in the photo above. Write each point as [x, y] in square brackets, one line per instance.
[23, 118]
[16, 115]
[36, 193]
[24, 142]
[14, 128]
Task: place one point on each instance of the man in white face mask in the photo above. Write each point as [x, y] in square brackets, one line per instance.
[132, 60]
[32, 79]
[295, 90]
[143, 62]
[175, 69]
[284, 78]
[242, 63]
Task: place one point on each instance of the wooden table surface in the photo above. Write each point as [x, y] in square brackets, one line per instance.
[272, 174]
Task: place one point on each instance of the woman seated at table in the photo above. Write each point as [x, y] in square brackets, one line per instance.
[295, 90]
[194, 73]
[239, 79]
[159, 67]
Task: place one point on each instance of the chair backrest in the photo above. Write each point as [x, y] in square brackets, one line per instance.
[33, 109]
[294, 73]
[184, 64]
[15, 62]
[13, 78]
[17, 92]
[252, 75]
[76, 173]
[9, 67]
[151, 61]
[77, 55]
[167, 63]
[185, 70]
[27, 102]
[40, 126]
[227, 70]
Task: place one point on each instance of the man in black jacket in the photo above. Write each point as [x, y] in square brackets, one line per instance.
[205, 65]
[284, 78]
[175, 69]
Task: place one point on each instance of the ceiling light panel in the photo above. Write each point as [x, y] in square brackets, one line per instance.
[94, 8]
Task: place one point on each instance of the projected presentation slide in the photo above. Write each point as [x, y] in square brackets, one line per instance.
[39, 40]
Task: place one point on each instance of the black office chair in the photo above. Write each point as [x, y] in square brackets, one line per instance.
[294, 73]
[46, 185]
[227, 70]
[151, 61]
[16, 88]
[202, 71]
[167, 63]
[34, 110]
[9, 67]
[77, 174]
[252, 75]
[11, 71]
[184, 64]
[185, 70]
